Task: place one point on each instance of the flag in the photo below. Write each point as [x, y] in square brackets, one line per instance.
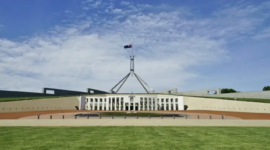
[128, 46]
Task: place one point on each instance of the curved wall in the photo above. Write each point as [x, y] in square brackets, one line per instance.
[70, 103]
[195, 103]
[65, 103]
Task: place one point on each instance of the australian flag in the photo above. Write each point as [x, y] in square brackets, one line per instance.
[128, 46]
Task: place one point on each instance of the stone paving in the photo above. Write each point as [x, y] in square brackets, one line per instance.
[72, 116]
[132, 122]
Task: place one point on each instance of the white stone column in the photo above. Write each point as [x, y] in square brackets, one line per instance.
[120, 100]
[152, 104]
[102, 104]
[169, 104]
[88, 103]
[94, 103]
[174, 104]
[165, 104]
[156, 104]
[98, 103]
[129, 105]
[178, 101]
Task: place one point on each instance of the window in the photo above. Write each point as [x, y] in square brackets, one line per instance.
[49, 91]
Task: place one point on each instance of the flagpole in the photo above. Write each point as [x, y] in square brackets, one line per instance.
[132, 59]
[132, 48]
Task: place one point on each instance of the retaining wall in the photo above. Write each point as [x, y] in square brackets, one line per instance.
[65, 103]
[225, 105]
[258, 94]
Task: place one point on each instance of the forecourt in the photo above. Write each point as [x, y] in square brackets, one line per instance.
[134, 102]
[134, 122]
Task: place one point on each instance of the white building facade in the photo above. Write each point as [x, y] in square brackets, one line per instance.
[131, 102]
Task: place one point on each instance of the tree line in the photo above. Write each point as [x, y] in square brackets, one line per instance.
[230, 90]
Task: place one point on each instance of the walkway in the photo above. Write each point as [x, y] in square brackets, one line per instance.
[132, 122]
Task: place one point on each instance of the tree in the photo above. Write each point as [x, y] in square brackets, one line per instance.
[227, 90]
[266, 88]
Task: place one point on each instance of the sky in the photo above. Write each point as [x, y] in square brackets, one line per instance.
[188, 44]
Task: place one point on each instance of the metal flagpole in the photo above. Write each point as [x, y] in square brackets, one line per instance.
[132, 48]
[132, 71]
[132, 60]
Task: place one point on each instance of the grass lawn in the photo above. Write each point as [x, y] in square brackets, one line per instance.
[119, 138]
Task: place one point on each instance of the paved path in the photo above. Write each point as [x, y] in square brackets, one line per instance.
[132, 122]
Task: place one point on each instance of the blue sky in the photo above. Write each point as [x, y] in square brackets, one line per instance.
[189, 45]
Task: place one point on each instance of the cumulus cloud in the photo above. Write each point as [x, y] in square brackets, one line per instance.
[90, 53]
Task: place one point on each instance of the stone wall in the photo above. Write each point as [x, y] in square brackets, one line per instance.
[258, 94]
[65, 103]
[225, 105]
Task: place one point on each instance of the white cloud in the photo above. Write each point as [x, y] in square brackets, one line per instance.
[263, 34]
[116, 10]
[85, 8]
[90, 53]
[125, 3]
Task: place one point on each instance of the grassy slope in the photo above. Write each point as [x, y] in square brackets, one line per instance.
[140, 138]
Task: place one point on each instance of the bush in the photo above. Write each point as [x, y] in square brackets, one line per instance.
[226, 90]
[266, 88]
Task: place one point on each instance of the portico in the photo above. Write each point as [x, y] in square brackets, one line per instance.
[133, 102]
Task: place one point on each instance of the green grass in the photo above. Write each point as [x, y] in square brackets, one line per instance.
[27, 98]
[137, 138]
[260, 100]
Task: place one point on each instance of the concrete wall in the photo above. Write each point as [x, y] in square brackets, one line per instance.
[199, 92]
[65, 103]
[225, 105]
[4, 93]
[258, 94]
[56, 92]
